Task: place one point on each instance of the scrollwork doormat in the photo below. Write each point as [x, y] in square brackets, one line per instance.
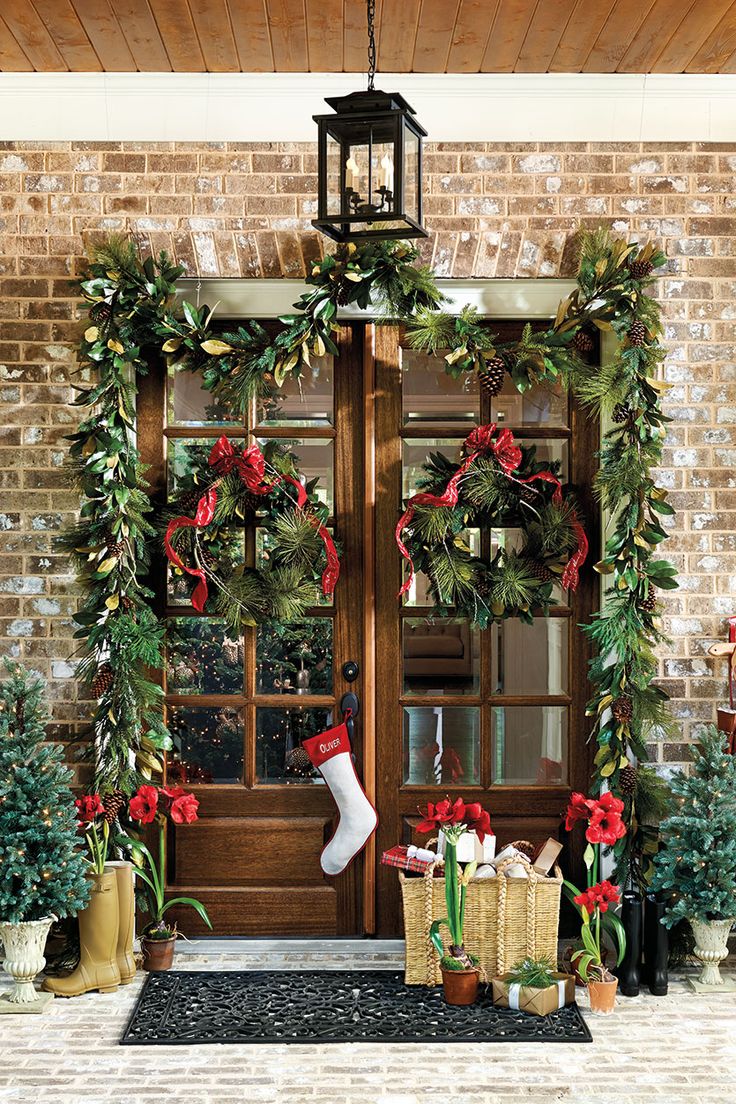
[324, 1006]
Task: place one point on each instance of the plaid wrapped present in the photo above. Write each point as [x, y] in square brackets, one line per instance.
[399, 856]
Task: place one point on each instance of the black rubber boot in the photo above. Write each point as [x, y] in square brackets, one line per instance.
[656, 946]
[631, 917]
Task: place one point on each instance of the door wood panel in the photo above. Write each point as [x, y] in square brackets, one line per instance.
[297, 911]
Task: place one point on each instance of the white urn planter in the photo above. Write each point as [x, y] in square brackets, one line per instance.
[24, 945]
[711, 948]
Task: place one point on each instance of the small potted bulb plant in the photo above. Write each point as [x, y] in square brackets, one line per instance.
[152, 804]
[460, 970]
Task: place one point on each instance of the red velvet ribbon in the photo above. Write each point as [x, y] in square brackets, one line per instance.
[250, 465]
[571, 574]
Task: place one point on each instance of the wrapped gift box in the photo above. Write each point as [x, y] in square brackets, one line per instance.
[537, 1002]
[405, 858]
[470, 849]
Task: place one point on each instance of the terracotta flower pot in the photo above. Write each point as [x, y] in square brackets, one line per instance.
[158, 954]
[570, 963]
[460, 986]
[602, 996]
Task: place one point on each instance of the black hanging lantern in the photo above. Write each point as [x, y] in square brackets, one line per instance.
[369, 164]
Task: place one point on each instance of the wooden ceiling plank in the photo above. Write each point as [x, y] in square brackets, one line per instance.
[252, 35]
[12, 57]
[212, 24]
[355, 34]
[103, 31]
[435, 29]
[31, 34]
[470, 37]
[718, 48]
[325, 35]
[288, 35]
[543, 37]
[702, 19]
[69, 36]
[176, 27]
[509, 30]
[141, 34]
[622, 24]
[658, 29]
[578, 37]
[398, 32]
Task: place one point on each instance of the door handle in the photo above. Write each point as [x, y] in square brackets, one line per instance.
[350, 708]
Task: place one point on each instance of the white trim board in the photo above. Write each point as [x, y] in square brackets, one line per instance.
[236, 298]
[278, 107]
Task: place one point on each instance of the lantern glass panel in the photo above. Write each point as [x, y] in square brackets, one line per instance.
[411, 174]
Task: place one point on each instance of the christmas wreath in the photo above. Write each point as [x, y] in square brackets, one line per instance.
[237, 488]
[497, 483]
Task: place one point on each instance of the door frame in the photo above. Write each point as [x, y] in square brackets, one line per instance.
[529, 299]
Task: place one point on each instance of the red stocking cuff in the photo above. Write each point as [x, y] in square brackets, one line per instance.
[327, 744]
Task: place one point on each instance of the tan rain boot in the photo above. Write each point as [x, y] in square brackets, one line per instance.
[126, 907]
[99, 923]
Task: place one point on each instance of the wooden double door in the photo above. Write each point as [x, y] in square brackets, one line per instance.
[495, 716]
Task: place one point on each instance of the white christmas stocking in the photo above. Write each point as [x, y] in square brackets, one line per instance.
[330, 753]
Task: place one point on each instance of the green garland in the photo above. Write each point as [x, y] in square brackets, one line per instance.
[131, 308]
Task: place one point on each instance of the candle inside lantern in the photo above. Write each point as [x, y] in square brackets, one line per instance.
[351, 173]
[388, 172]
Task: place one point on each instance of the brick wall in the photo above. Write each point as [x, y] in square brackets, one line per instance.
[243, 210]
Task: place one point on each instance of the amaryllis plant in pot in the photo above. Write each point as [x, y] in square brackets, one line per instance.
[460, 972]
[603, 826]
[152, 804]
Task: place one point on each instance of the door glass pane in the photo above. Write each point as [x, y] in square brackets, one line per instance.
[185, 456]
[441, 657]
[280, 759]
[202, 657]
[530, 659]
[295, 658]
[418, 593]
[313, 457]
[208, 744]
[266, 544]
[304, 402]
[225, 546]
[416, 453]
[441, 746]
[431, 396]
[540, 406]
[529, 744]
[188, 404]
[548, 451]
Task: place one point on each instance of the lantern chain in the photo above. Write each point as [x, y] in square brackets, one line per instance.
[371, 4]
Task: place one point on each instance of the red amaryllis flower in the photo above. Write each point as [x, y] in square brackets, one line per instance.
[599, 896]
[579, 808]
[606, 825]
[184, 809]
[143, 805]
[478, 820]
[436, 816]
[88, 808]
[170, 794]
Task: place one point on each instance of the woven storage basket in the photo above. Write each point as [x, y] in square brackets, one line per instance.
[506, 919]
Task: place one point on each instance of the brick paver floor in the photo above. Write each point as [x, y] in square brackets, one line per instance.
[678, 1049]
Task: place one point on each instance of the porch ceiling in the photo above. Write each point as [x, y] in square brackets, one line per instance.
[422, 36]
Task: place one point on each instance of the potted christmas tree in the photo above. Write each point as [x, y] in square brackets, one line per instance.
[698, 861]
[41, 869]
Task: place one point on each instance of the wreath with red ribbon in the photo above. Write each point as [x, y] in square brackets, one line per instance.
[298, 560]
[498, 485]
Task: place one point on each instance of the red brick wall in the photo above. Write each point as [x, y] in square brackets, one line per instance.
[243, 210]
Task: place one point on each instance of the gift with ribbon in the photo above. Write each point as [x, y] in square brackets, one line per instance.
[537, 1002]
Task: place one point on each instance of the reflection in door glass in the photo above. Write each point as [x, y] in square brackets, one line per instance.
[441, 656]
[306, 401]
[280, 758]
[418, 593]
[208, 745]
[295, 658]
[188, 404]
[529, 659]
[540, 406]
[202, 657]
[430, 396]
[529, 745]
[441, 746]
[313, 457]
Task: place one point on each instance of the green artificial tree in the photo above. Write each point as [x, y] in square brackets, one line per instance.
[698, 860]
[42, 870]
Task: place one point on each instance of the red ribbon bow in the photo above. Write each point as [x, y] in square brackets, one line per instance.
[249, 464]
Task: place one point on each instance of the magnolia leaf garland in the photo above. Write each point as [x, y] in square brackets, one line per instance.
[131, 307]
[298, 558]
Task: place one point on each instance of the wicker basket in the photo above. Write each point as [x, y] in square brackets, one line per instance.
[506, 919]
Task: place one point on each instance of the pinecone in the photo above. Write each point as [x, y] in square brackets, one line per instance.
[493, 375]
[540, 571]
[230, 653]
[583, 343]
[343, 292]
[638, 333]
[639, 270]
[102, 680]
[115, 547]
[649, 604]
[101, 313]
[627, 780]
[528, 492]
[127, 603]
[298, 762]
[113, 803]
[188, 501]
[622, 709]
[621, 413]
[209, 560]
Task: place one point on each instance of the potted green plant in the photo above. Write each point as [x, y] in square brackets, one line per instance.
[460, 971]
[603, 825]
[153, 804]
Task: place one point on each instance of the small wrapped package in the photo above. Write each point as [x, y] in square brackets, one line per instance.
[414, 860]
[537, 1002]
[547, 856]
[470, 849]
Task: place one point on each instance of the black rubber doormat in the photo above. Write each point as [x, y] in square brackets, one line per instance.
[185, 1007]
